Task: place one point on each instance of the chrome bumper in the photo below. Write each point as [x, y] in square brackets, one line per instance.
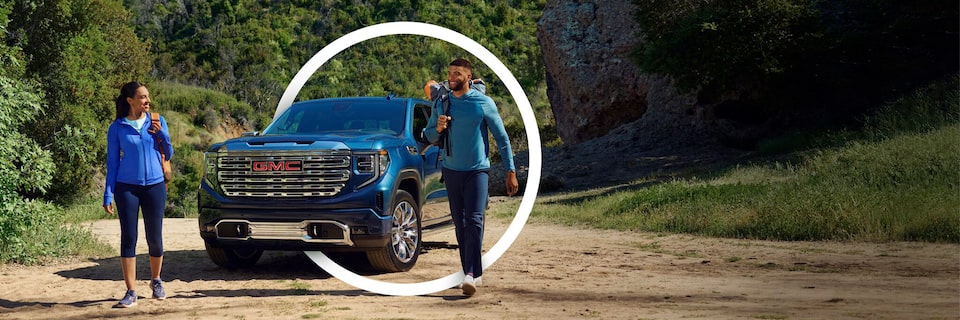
[308, 231]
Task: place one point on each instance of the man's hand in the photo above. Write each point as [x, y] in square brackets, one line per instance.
[512, 184]
[108, 208]
[443, 122]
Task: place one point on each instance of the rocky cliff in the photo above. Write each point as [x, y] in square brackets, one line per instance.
[617, 122]
[595, 87]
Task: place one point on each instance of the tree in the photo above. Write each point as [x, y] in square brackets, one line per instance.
[81, 51]
[832, 59]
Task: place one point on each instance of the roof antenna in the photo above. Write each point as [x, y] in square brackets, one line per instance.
[390, 95]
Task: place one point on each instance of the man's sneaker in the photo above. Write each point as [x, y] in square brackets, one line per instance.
[129, 300]
[469, 285]
[157, 287]
[477, 282]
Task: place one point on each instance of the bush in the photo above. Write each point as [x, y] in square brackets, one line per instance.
[204, 105]
[828, 59]
[29, 229]
[32, 231]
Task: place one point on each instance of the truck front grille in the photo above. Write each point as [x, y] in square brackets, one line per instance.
[283, 174]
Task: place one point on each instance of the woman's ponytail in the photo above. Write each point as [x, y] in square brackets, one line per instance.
[128, 90]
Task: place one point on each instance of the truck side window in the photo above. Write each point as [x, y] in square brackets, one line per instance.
[421, 113]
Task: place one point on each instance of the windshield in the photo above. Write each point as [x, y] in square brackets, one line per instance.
[340, 116]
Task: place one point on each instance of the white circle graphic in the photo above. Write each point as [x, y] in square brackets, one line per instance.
[526, 112]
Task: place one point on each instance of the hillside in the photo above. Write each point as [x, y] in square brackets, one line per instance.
[251, 50]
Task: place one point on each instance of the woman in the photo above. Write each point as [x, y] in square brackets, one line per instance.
[135, 181]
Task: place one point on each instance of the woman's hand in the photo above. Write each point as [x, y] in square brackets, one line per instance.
[108, 208]
[154, 127]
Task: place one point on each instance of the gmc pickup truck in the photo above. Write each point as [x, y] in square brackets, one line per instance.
[340, 174]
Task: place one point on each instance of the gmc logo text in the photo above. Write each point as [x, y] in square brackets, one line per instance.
[282, 165]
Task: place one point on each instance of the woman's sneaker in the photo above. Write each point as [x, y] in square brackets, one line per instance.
[129, 300]
[157, 287]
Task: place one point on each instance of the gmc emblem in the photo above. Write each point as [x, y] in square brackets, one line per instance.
[281, 165]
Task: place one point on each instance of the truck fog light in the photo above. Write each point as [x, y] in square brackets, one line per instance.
[358, 230]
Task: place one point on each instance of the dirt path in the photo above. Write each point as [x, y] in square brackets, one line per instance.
[551, 272]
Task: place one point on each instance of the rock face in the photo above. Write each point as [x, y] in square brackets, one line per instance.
[595, 87]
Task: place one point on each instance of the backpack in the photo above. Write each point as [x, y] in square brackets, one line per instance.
[164, 163]
[440, 96]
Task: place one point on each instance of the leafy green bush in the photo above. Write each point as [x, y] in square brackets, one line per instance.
[828, 60]
[30, 229]
[722, 45]
[24, 166]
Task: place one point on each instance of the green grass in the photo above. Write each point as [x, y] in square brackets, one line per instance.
[86, 209]
[896, 178]
[300, 288]
[904, 188]
[34, 232]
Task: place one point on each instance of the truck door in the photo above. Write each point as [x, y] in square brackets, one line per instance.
[435, 207]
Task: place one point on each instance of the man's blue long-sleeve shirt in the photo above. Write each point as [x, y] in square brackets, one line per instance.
[473, 114]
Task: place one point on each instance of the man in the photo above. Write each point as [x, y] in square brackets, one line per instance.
[466, 161]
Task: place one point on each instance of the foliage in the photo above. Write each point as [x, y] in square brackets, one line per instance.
[724, 44]
[29, 229]
[57, 61]
[901, 184]
[81, 51]
[204, 105]
[829, 59]
[924, 110]
[252, 49]
[24, 165]
[33, 231]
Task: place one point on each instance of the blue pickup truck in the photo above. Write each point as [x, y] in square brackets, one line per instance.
[339, 174]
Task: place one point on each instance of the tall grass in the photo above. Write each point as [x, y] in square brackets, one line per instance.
[896, 178]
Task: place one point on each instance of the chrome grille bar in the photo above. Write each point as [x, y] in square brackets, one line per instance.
[317, 174]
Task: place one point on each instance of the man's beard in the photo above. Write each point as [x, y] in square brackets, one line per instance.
[459, 86]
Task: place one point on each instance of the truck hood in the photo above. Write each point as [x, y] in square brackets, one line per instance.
[331, 141]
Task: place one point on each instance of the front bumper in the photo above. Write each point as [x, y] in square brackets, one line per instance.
[294, 229]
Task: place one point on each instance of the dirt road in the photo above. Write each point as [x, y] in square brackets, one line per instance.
[551, 272]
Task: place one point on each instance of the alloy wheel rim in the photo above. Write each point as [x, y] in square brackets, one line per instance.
[405, 237]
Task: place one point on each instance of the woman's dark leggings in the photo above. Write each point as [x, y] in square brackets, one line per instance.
[130, 200]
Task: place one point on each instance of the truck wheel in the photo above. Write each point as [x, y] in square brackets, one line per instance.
[401, 253]
[233, 258]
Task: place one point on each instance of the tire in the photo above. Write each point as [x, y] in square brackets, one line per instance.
[401, 253]
[233, 258]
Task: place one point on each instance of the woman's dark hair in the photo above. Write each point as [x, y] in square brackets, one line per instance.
[128, 90]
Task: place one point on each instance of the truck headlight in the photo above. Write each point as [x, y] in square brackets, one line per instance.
[210, 161]
[374, 163]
